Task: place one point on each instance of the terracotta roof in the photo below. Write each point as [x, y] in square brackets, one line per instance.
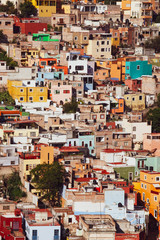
[69, 149]
[84, 179]
[22, 121]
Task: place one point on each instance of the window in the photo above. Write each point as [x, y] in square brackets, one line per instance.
[106, 49]
[80, 92]
[82, 143]
[97, 42]
[151, 168]
[136, 173]
[57, 91]
[107, 42]
[145, 186]
[79, 84]
[85, 38]
[125, 144]
[41, 89]
[7, 207]
[157, 179]
[34, 233]
[79, 68]
[147, 200]
[21, 90]
[41, 98]
[70, 220]
[66, 91]
[141, 185]
[90, 143]
[94, 116]
[155, 213]
[155, 198]
[133, 99]
[30, 98]
[7, 23]
[0, 78]
[143, 196]
[102, 49]
[134, 136]
[145, 177]
[56, 233]
[43, 63]
[102, 116]
[21, 98]
[12, 162]
[102, 42]
[130, 176]
[33, 134]
[134, 128]
[138, 67]
[31, 90]
[140, 97]
[75, 38]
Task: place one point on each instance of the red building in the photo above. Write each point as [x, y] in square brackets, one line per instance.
[28, 25]
[133, 84]
[11, 226]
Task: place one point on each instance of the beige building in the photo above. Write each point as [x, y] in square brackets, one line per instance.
[61, 19]
[97, 227]
[6, 25]
[100, 46]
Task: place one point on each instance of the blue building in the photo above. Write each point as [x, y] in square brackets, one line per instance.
[136, 69]
[42, 75]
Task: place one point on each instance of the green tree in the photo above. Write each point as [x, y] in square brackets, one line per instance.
[9, 61]
[154, 116]
[49, 27]
[8, 8]
[49, 178]
[6, 98]
[27, 9]
[3, 37]
[153, 43]
[70, 107]
[13, 187]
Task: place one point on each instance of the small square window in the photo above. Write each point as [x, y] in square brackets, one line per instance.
[30, 98]
[31, 90]
[21, 99]
[41, 89]
[155, 198]
[41, 98]
[21, 90]
[138, 67]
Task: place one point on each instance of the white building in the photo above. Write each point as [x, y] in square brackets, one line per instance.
[40, 225]
[137, 129]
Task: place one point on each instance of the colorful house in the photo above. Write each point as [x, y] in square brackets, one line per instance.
[136, 69]
[44, 37]
[135, 101]
[22, 93]
[28, 25]
[149, 191]
[45, 8]
[118, 107]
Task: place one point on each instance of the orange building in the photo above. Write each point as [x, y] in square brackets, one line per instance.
[126, 5]
[46, 154]
[119, 106]
[149, 189]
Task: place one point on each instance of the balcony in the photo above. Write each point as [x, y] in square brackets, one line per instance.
[56, 237]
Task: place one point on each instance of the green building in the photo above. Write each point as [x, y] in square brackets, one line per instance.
[44, 37]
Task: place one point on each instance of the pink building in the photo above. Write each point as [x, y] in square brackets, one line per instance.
[61, 93]
[151, 142]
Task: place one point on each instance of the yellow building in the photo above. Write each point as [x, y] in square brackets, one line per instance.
[47, 154]
[28, 161]
[25, 93]
[45, 8]
[66, 8]
[28, 56]
[149, 190]
[135, 101]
